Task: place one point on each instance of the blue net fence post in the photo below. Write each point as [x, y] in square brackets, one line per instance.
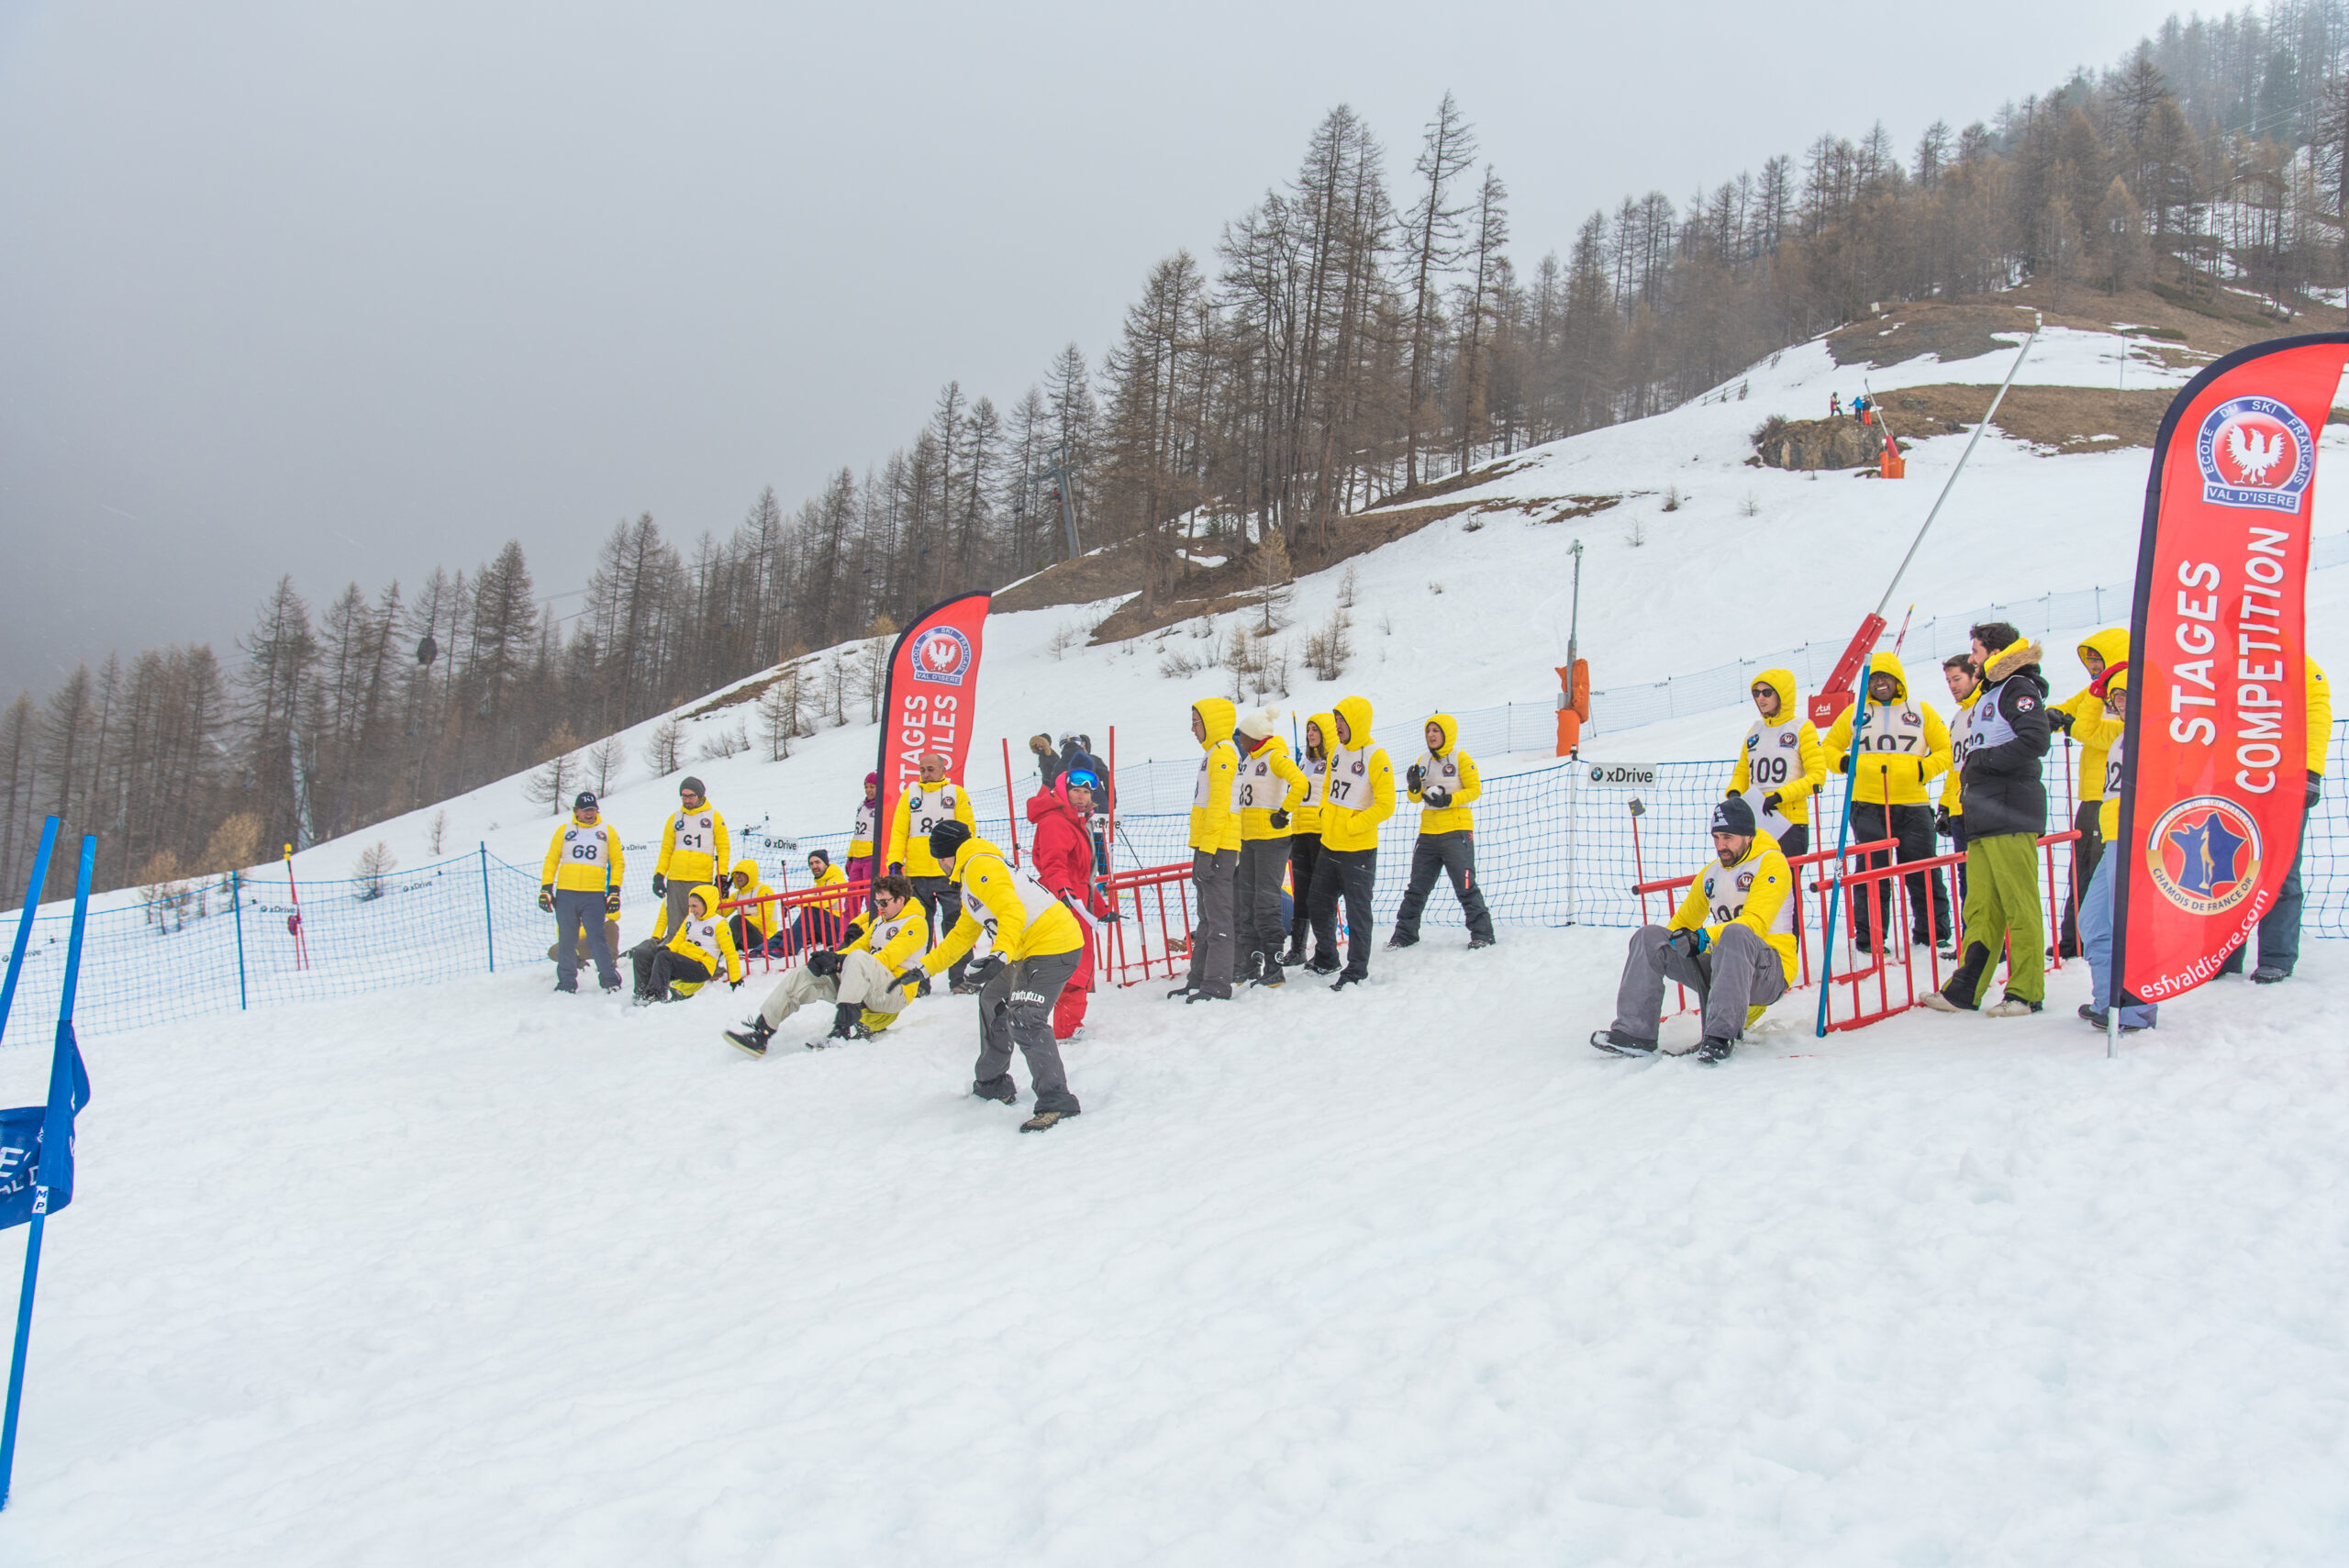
[237, 910]
[488, 920]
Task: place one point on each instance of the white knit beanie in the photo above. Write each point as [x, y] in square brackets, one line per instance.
[1264, 722]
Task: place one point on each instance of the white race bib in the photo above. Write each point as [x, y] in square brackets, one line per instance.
[693, 832]
[926, 812]
[1439, 772]
[1894, 726]
[1727, 889]
[1350, 787]
[1206, 765]
[703, 934]
[1035, 898]
[1317, 782]
[1773, 760]
[863, 834]
[584, 846]
[1259, 789]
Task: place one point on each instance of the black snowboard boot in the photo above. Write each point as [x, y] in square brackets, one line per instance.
[753, 1037]
[1616, 1042]
[848, 1023]
[1715, 1050]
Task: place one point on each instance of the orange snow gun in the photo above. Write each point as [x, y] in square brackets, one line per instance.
[1574, 704]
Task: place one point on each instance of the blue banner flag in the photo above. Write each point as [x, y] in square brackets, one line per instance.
[37, 1142]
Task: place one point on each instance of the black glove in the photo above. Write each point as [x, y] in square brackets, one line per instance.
[1732, 792]
[986, 969]
[914, 976]
[823, 960]
[896, 868]
[1852, 761]
[611, 903]
[733, 985]
[1279, 818]
[1770, 802]
[1941, 820]
[1439, 798]
[1413, 776]
[546, 898]
[1691, 942]
[660, 886]
[2316, 790]
[2061, 719]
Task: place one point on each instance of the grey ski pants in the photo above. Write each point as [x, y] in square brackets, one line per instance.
[1216, 876]
[1447, 854]
[1259, 930]
[1738, 971]
[1016, 1008]
[579, 925]
[862, 980]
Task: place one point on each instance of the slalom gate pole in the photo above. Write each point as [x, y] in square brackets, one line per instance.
[32, 1240]
[301, 944]
[24, 925]
[237, 913]
[2072, 862]
[1010, 805]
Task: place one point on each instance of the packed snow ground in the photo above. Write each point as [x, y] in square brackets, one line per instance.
[476, 1274]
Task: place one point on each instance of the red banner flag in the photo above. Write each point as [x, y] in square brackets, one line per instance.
[2212, 777]
[931, 697]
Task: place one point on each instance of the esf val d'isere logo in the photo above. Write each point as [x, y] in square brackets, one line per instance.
[2204, 854]
[942, 655]
[2254, 451]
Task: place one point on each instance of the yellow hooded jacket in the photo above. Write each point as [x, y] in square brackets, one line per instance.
[1305, 816]
[1362, 784]
[1025, 919]
[2104, 732]
[1215, 822]
[1805, 778]
[1901, 756]
[760, 916]
[1456, 816]
[1271, 756]
[2087, 709]
[1773, 884]
[577, 855]
[693, 845]
[910, 848]
[710, 940]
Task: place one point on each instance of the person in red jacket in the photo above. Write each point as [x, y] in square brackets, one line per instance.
[1063, 861]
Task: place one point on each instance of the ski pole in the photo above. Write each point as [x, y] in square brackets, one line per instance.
[1836, 887]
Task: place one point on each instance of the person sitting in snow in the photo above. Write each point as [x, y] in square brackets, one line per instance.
[856, 979]
[749, 923]
[820, 925]
[672, 964]
[1732, 941]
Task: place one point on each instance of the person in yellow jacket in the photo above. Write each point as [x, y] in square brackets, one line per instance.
[752, 923]
[2279, 929]
[1321, 739]
[2079, 715]
[1271, 788]
[1781, 769]
[693, 849]
[1903, 746]
[1445, 782]
[1731, 941]
[1036, 945]
[1215, 854]
[1361, 798]
[921, 806]
[859, 980]
[677, 961]
[580, 883]
[821, 925]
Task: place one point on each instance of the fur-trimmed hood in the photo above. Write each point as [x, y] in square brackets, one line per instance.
[2011, 660]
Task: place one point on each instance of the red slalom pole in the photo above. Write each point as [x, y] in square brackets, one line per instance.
[294, 921]
[1010, 805]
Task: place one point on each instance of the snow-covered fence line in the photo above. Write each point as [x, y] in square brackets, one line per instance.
[1555, 847]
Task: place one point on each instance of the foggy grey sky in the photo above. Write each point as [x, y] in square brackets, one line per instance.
[350, 290]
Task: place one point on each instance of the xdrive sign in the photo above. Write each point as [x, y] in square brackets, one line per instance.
[1621, 775]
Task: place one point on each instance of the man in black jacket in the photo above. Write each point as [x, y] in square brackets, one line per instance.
[2004, 797]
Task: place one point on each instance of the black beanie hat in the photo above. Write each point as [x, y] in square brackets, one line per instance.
[945, 839]
[1733, 815]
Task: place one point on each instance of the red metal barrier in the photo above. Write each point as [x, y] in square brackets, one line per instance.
[1871, 986]
[1154, 938]
[841, 901]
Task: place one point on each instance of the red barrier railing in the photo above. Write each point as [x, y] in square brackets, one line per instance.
[1873, 985]
[827, 910]
[1153, 940]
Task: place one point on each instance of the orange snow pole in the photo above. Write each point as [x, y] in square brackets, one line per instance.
[1010, 805]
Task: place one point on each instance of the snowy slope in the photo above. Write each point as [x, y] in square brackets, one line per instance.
[1411, 1276]
[1462, 617]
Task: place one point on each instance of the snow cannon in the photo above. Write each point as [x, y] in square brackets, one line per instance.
[1574, 704]
[1833, 697]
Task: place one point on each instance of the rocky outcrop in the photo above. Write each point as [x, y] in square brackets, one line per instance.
[1818, 443]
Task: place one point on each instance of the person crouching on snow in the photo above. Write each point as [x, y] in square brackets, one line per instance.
[1733, 940]
[673, 965]
[856, 979]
